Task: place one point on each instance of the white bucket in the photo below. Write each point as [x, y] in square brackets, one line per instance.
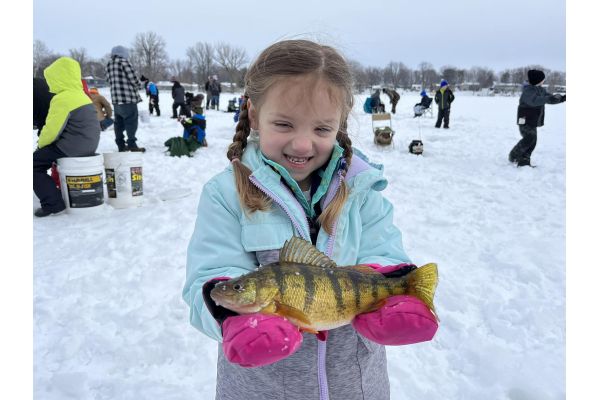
[81, 183]
[124, 181]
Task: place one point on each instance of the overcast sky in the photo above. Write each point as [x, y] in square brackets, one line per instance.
[462, 33]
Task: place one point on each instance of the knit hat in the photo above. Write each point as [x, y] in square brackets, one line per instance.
[535, 76]
[120, 51]
[423, 93]
[443, 83]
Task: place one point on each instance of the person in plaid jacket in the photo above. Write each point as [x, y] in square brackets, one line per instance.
[124, 87]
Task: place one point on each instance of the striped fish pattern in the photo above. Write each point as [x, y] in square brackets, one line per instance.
[310, 290]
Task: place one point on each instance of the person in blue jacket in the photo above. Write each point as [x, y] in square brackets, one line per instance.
[195, 128]
[294, 172]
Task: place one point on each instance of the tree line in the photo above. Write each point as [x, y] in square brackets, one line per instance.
[149, 57]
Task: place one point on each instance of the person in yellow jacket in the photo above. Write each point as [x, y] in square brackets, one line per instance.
[71, 130]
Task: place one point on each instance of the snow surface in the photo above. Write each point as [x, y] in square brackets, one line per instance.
[110, 322]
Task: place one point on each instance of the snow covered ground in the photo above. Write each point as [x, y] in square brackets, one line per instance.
[109, 320]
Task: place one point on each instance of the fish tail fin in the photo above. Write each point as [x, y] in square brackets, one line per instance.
[422, 284]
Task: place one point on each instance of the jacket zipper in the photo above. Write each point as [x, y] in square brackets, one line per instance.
[321, 345]
[276, 199]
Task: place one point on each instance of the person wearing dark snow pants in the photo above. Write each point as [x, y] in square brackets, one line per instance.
[443, 98]
[124, 87]
[178, 95]
[152, 93]
[71, 129]
[530, 115]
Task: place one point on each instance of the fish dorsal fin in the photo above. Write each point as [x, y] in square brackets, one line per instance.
[300, 251]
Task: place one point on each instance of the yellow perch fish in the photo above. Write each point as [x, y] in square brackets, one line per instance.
[310, 290]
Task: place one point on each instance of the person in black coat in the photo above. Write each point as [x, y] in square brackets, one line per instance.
[530, 115]
[178, 95]
[443, 98]
[423, 105]
[41, 103]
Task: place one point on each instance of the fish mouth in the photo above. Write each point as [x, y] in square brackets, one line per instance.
[231, 303]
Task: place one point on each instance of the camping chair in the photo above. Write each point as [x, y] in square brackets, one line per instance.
[382, 134]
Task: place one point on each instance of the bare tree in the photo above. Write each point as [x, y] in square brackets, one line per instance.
[374, 75]
[40, 52]
[149, 56]
[358, 74]
[449, 73]
[182, 71]
[94, 68]
[397, 74]
[554, 78]
[201, 57]
[79, 55]
[428, 75]
[231, 59]
[504, 76]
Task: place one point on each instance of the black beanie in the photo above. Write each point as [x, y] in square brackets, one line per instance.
[534, 76]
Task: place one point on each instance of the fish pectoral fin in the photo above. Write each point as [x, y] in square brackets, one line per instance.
[291, 312]
[376, 306]
[308, 330]
[270, 308]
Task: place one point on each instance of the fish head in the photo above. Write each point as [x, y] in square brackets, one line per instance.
[243, 295]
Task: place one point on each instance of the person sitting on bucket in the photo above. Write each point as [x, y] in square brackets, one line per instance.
[71, 130]
[195, 129]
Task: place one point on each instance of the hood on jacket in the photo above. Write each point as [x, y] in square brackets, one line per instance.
[63, 74]
[120, 51]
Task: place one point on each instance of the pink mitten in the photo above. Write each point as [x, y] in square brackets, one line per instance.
[402, 320]
[254, 340]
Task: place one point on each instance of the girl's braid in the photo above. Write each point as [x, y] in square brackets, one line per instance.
[240, 139]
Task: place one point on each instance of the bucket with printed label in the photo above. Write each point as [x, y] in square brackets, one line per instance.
[124, 180]
[81, 183]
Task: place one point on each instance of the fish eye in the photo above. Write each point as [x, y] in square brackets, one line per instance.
[237, 287]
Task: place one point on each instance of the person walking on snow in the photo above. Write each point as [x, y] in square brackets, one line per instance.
[530, 116]
[443, 98]
[152, 94]
[124, 87]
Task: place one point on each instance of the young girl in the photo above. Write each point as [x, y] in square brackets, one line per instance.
[293, 172]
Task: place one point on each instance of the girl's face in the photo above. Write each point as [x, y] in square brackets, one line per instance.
[298, 122]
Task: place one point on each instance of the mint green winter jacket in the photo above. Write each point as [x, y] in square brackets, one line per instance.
[228, 242]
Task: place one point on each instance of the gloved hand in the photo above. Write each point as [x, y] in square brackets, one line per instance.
[252, 340]
[402, 320]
